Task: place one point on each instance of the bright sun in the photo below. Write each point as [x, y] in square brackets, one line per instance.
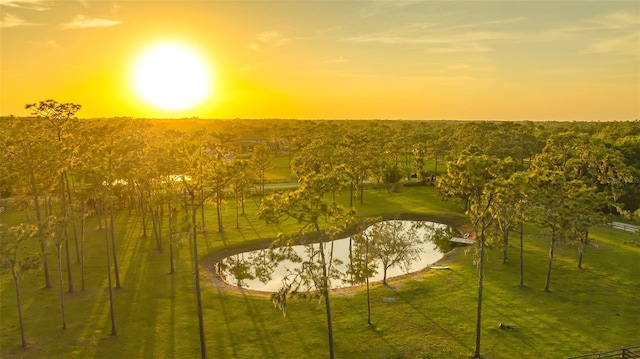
[171, 77]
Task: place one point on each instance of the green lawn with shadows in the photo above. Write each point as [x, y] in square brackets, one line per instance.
[429, 314]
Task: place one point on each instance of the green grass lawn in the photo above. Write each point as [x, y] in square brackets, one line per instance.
[280, 169]
[427, 315]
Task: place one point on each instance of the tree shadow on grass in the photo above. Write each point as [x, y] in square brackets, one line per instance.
[222, 309]
[206, 237]
[253, 228]
[446, 332]
[132, 302]
[380, 333]
[261, 330]
[241, 233]
[172, 315]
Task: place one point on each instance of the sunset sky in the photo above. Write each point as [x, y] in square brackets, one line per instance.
[504, 60]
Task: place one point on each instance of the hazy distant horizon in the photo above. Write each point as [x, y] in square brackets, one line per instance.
[333, 119]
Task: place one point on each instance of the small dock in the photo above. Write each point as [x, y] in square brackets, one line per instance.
[462, 240]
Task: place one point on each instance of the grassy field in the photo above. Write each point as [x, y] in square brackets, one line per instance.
[280, 169]
[426, 315]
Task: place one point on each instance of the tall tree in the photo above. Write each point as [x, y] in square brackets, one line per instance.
[27, 164]
[220, 178]
[308, 205]
[262, 160]
[600, 169]
[83, 213]
[360, 268]
[556, 202]
[55, 232]
[194, 173]
[505, 207]
[354, 152]
[361, 264]
[112, 315]
[114, 160]
[469, 178]
[242, 179]
[393, 149]
[60, 118]
[166, 165]
[12, 259]
[395, 243]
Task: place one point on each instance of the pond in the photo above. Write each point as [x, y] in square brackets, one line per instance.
[401, 246]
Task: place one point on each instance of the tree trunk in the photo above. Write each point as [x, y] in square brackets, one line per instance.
[75, 232]
[143, 210]
[106, 241]
[548, 279]
[366, 275]
[436, 171]
[65, 232]
[406, 161]
[242, 201]
[237, 211]
[160, 225]
[583, 240]
[202, 209]
[219, 211]
[75, 241]
[45, 205]
[67, 256]
[395, 176]
[505, 240]
[480, 284]
[154, 225]
[155, 218]
[325, 293]
[43, 247]
[580, 252]
[113, 244]
[16, 282]
[196, 268]
[351, 260]
[45, 263]
[82, 234]
[171, 238]
[60, 284]
[100, 215]
[521, 254]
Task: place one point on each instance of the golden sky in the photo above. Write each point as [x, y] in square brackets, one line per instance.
[506, 60]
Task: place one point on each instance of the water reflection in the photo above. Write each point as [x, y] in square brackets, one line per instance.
[349, 260]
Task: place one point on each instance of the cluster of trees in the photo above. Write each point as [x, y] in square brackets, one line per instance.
[64, 170]
[564, 180]
[574, 182]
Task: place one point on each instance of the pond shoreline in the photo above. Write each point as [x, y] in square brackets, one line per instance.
[212, 278]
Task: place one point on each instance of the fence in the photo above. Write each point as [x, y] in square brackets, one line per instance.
[631, 352]
[624, 226]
